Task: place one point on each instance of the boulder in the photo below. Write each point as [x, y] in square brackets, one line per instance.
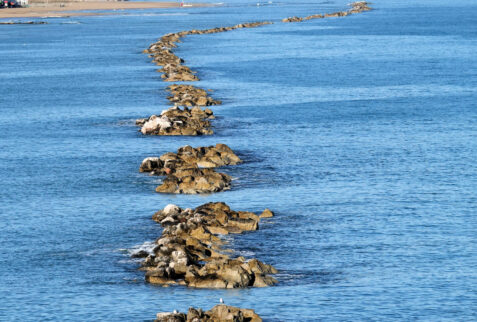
[267, 213]
[171, 317]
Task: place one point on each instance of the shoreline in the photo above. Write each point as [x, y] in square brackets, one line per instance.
[86, 8]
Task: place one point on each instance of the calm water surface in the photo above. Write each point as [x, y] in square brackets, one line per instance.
[360, 133]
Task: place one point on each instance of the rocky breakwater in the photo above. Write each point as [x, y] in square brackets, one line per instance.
[188, 157]
[190, 253]
[172, 66]
[177, 121]
[356, 7]
[189, 171]
[188, 95]
[219, 312]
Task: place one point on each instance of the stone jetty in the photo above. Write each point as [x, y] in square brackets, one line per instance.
[188, 157]
[220, 312]
[177, 121]
[190, 170]
[356, 7]
[172, 66]
[189, 251]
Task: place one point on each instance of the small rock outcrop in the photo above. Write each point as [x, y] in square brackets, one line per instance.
[220, 312]
[176, 121]
[190, 253]
[188, 157]
[195, 181]
[359, 6]
[188, 95]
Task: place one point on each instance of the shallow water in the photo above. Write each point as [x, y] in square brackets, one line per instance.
[359, 132]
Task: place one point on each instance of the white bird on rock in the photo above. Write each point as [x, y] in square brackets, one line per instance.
[221, 301]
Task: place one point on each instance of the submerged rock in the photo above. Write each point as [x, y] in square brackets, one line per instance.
[188, 157]
[220, 312]
[176, 121]
[189, 251]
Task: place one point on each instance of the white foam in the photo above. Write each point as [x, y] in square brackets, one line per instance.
[147, 246]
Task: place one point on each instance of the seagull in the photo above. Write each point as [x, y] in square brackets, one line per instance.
[221, 301]
[175, 312]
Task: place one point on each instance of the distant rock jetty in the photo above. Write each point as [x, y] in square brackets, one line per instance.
[196, 121]
[219, 312]
[356, 7]
[172, 66]
[190, 253]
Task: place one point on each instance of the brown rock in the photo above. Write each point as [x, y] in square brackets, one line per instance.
[267, 213]
[171, 317]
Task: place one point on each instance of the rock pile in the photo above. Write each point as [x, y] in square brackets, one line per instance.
[176, 121]
[195, 181]
[219, 312]
[188, 157]
[189, 251]
[188, 95]
[356, 7]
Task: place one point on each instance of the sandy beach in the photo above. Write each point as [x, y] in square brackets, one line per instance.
[85, 8]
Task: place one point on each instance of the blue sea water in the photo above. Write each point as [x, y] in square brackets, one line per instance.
[359, 132]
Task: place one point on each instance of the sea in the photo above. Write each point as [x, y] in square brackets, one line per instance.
[360, 133]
